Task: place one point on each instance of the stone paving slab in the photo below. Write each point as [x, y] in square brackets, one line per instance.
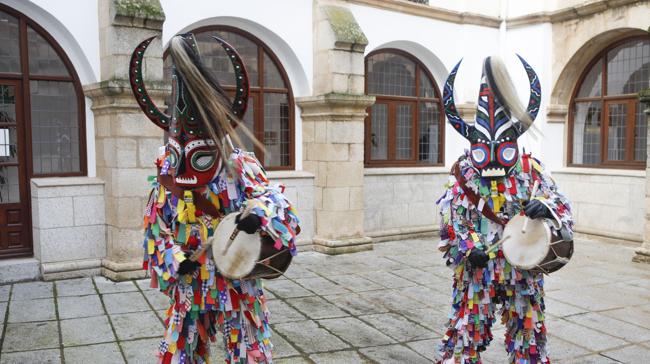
[388, 305]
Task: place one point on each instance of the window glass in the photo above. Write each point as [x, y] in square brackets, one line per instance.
[428, 142]
[43, 59]
[10, 40]
[391, 74]
[592, 85]
[379, 132]
[218, 62]
[586, 136]
[276, 129]
[55, 127]
[628, 68]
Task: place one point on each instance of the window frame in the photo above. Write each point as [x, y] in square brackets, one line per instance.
[257, 93]
[392, 101]
[606, 100]
[24, 78]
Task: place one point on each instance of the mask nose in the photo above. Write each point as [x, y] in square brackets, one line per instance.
[492, 155]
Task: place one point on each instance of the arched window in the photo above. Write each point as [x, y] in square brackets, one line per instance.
[270, 113]
[607, 125]
[404, 126]
[42, 118]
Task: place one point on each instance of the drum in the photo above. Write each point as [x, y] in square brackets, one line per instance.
[238, 255]
[531, 244]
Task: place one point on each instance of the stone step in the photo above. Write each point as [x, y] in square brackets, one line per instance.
[19, 270]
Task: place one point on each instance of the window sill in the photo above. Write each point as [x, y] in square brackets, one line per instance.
[383, 171]
[288, 174]
[601, 171]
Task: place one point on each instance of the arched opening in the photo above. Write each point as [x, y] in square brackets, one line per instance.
[271, 109]
[607, 126]
[405, 125]
[42, 122]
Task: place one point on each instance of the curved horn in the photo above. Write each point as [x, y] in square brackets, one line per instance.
[450, 105]
[240, 102]
[535, 90]
[139, 90]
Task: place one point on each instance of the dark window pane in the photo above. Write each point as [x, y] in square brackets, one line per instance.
[217, 61]
[272, 77]
[9, 38]
[617, 114]
[592, 85]
[391, 74]
[586, 133]
[428, 129]
[8, 131]
[9, 184]
[426, 86]
[379, 132]
[249, 122]
[276, 129]
[628, 68]
[404, 127]
[55, 126]
[43, 59]
[640, 134]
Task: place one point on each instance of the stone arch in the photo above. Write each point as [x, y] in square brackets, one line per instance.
[286, 56]
[62, 35]
[570, 75]
[430, 60]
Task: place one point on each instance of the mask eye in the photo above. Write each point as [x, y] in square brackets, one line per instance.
[202, 161]
[480, 155]
[507, 154]
[173, 158]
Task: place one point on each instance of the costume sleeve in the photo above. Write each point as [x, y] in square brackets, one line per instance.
[458, 231]
[162, 255]
[278, 216]
[549, 195]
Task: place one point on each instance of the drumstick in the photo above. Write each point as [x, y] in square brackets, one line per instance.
[497, 244]
[247, 211]
[532, 195]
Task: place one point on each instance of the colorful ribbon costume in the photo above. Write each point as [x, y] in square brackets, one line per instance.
[194, 188]
[504, 182]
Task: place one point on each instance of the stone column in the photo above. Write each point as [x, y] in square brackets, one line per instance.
[126, 141]
[333, 130]
[643, 252]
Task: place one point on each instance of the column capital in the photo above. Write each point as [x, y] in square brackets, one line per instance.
[334, 107]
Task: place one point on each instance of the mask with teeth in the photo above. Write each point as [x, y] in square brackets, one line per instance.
[194, 154]
[493, 136]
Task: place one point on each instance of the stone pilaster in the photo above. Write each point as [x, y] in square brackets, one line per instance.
[643, 252]
[126, 141]
[333, 130]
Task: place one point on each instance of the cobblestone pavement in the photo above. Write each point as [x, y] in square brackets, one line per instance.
[388, 305]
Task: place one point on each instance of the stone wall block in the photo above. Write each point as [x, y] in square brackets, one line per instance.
[395, 216]
[356, 198]
[330, 152]
[320, 131]
[89, 210]
[136, 124]
[345, 132]
[356, 152]
[55, 212]
[72, 243]
[308, 132]
[131, 182]
[124, 245]
[422, 213]
[345, 174]
[339, 224]
[148, 151]
[336, 198]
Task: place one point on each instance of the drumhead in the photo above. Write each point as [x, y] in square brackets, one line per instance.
[526, 250]
[237, 260]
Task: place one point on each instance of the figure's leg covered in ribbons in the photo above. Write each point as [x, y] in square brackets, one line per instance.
[244, 322]
[523, 315]
[471, 317]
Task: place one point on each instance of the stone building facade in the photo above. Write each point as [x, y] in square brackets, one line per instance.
[345, 96]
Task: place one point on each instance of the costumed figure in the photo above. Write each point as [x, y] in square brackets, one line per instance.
[203, 180]
[490, 192]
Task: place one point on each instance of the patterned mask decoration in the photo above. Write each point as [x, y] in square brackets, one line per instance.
[193, 157]
[493, 136]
